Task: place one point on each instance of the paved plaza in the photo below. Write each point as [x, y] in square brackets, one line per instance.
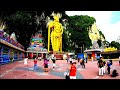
[18, 70]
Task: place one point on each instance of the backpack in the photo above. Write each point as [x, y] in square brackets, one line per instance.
[108, 64]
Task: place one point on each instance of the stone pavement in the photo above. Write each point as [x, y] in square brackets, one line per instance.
[18, 70]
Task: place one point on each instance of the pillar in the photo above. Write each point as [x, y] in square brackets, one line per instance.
[42, 55]
[27, 54]
[46, 55]
[18, 54]
[32, 55]
[37, 54]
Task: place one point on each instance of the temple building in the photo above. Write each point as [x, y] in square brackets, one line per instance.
[10, 48]
[36, 48]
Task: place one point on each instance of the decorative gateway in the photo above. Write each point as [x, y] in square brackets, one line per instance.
[36, 46]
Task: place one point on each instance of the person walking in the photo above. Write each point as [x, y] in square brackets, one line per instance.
[104, 65]
[100, 66]
[54, 61]
[83, 63]
[108, 66]
[70, 59]
[45, 65]
[35, 64]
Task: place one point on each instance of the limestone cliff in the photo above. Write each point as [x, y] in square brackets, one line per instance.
[94, 34]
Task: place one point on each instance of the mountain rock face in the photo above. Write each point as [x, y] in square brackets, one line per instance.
[94, 35]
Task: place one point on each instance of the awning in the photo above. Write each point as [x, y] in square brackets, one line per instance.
[91, 50]
[36, 52]
[11, 45]
[110, 52]
[70, 53]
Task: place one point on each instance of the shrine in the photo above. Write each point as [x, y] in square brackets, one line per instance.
[36, 48]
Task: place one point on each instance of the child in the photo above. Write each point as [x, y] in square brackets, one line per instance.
[35, 64]
[45, 65]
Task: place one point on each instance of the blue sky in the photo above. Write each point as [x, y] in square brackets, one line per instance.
[115, 17]
[107, 21]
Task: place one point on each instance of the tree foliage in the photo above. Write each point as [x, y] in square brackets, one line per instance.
[23, 23]
[78, 31]
[115, 44]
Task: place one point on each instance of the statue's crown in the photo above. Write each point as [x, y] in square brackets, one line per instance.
[56, 15]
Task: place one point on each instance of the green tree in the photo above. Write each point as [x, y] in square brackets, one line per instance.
[23, 23]
[115, 44]
[78, 28]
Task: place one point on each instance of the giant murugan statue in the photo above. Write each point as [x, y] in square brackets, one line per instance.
[55, 31]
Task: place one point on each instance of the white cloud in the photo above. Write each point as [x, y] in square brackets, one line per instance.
[112, 31]
[103, 19]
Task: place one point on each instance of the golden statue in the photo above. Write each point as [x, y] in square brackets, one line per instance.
[55, 31]
[94, 33]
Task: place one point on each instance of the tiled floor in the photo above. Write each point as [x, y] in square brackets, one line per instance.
[18, 70]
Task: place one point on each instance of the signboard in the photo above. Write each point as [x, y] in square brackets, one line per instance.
[80, 55]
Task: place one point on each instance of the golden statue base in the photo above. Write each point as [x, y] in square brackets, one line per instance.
[58, 55]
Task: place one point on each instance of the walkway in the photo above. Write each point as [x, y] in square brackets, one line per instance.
[17, 70]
